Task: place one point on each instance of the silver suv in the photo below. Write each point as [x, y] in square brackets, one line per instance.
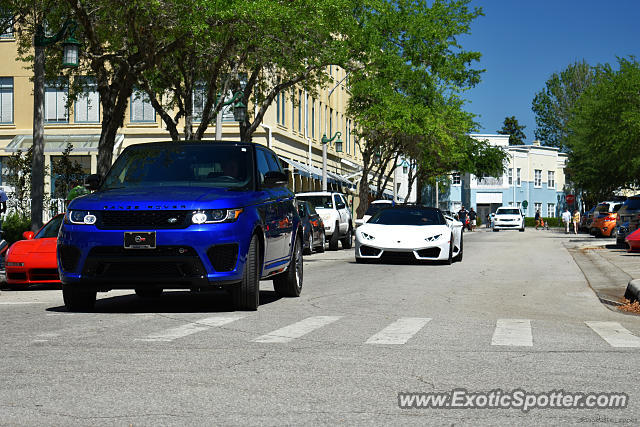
[628, 218]
[336, 215]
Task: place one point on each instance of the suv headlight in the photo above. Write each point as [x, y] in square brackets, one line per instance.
[212, 216]
[80, 217]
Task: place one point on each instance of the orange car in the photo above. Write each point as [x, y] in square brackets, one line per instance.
[604, 219]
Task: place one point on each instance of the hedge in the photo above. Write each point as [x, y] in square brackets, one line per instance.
[13, 226]
[552, 222]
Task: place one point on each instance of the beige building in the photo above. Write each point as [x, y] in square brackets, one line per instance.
[293, 126]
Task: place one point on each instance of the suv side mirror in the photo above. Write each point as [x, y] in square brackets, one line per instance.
[92, 182]
[275, 179]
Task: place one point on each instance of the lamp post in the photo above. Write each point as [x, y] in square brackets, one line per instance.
[326, 141]
[239, 113]
[70, 59]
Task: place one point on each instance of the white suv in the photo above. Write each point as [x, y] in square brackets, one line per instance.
[508, 218]
[335, 213]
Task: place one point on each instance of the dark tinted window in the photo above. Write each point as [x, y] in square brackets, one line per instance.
[512, 211]
[318, 201]
[263, 165]
[617, 207]
[204, 164]
[302, 209]
[408, 216]
[632, 203]
[374, 208]
[603, 207]
[51, 228]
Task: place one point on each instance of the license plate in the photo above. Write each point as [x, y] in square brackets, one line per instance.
[139, 239]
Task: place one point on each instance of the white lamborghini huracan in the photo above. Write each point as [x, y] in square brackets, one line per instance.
[408, 233]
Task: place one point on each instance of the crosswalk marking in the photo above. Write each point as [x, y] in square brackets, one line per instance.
[192, 328]
[400, 331]
[615, 334]
[513, 332]
[296, 330]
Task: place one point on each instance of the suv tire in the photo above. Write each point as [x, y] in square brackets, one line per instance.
[458, 257]
[323, 239]
[449, 260]
[309, 250]
[289, 283]
[333, 240]
[78, 299]
[347, 241]
[246, 294]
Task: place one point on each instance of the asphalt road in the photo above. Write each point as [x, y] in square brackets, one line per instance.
[516, 313]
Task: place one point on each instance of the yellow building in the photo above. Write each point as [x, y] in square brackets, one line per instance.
[293, 126]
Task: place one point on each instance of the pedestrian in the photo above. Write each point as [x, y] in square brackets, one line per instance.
[566, 219]
[576, 220]
[462, 216]
[488, 225]
[537, 218]
[472, 219]
[3, 205]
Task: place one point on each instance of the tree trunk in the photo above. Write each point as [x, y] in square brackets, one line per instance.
[37, 173]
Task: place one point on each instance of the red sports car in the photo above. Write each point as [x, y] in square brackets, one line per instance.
[34, 260]
[633, 240]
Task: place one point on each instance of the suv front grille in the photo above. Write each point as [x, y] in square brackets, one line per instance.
[135, 220]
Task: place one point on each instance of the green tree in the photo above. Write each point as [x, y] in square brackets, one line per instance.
[512, 128]
[604, 131]
[66, 172]
[553, 106]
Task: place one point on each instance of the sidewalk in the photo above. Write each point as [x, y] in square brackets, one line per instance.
[607, 267]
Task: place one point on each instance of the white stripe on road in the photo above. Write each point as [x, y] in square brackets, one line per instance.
[21, 303]
[615, 334]
[513, 332]
[297, 329]
[400, 331]
[192, 328]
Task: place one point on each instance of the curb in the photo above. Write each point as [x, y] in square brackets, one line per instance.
[633, 290]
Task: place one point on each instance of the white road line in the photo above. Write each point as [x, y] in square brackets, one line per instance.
[400, 331]
[615, 334]
[513, 332]
[191, 328]
[21, 303]
[296, 330]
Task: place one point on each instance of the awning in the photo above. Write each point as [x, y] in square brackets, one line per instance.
[386, 192]
[302, 169]
[58, 143]
[316, 173]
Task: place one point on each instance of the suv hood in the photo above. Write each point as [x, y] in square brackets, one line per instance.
[170, 197]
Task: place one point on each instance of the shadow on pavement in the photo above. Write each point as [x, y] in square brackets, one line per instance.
[170, 302]
[30, 288]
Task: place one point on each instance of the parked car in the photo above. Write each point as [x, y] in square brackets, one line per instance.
[586, 219]
[508, 218]
[335, 214]
[33, 260]
[409, 233]
[373, 208]
[183, 215]
[604, 219]
[314, 237]
[633, 241]
[628, 218]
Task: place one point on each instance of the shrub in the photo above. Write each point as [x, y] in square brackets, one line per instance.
[13, 226]
[531, 222]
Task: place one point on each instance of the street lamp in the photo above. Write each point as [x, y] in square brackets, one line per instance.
[70, 59]
[239, 112]
[326, 141]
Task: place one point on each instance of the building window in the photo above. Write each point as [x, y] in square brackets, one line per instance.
[293, 109]
[6, 99]
[87, 106]
[405, 169]
[306, 114]
[551, 210]
[518, 180]
[300, 111]
[141, 108]
[55, 102]
[456, 179]
[348, 138]
[199, 99]
[510, 176]
[313, 118]
[6, 20]
[518, 205]
[537, 178]
[537, 207]
[330, 122]
[551, 179]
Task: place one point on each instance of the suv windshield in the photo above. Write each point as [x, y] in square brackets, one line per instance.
[204, 164]
[51, 228]
[632, 203]
[408, 216]
[322, 202]
[508, 211]
[374, 208]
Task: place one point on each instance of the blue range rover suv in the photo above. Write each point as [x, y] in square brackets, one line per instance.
[183, 215]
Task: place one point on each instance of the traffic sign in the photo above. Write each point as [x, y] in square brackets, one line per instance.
[570, 199]
[525, 204]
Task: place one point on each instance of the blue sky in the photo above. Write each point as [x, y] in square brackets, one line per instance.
[523, 42]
